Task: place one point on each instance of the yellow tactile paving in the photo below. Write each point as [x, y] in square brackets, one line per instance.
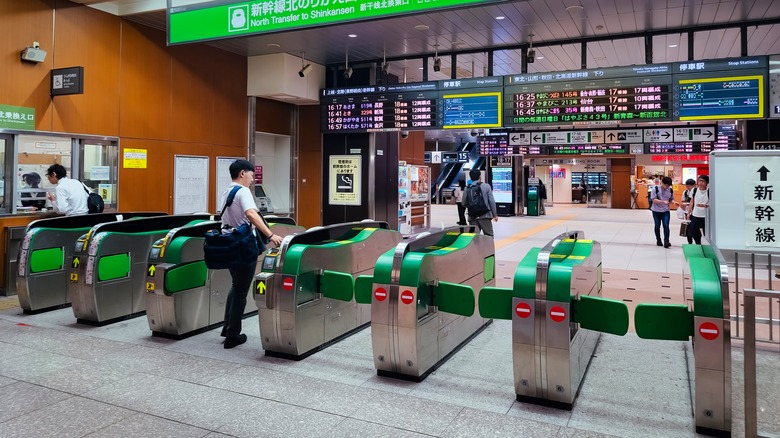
[530, 232]
[9, 303]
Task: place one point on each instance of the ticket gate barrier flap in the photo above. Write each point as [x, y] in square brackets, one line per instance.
[670, 322]
[307, 300]
[111, 285]
[601, 314]
[42, 278]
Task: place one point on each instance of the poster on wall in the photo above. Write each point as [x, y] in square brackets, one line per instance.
[344, 180]
[134, 159]
[223, 178]
[419, 183]
[403, 183]
[191, 176]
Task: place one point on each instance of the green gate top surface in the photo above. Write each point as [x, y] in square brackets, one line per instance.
[560, 270]
[49, 259]
[707, 297]
[174, 251]
[383, 270]
[41, 230]
[691, 250]
[185, 277]
[412, 263]
[670, 322]
[113, 266]
[294, 254]
[524, 285]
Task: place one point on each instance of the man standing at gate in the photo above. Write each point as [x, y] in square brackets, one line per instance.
[480, 203]
[242, 210]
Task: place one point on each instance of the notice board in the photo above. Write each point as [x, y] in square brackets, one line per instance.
[223, 179]
[191, 184]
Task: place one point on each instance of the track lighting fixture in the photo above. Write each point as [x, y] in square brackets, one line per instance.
[531, 56]
[305, 68]
[436, 59]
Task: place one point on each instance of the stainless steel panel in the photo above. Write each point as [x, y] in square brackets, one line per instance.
[708, 354]
[557, 334]
[559, 386]
[525, 364]
[380, 345]
[710, 404]
[219, 286]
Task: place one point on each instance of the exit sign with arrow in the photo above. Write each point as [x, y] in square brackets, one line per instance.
[696, 133]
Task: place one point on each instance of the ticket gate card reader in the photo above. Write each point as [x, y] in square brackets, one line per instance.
[183, 296]
[708, 324]
[109, 282]
[42, 277]
[423, 300]
[304, 292]
[557, 318]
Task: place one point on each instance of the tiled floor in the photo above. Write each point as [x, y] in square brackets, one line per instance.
[59, 378]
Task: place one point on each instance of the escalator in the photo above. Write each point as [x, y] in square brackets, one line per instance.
[450, 171]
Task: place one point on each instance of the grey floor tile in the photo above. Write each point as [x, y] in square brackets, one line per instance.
[467, 389]
[543, 414]
[658, 361]
[211, 408]
[350, 427]
[569, 432]
[194, 369]
[472, 422]
[21, 398]
[8, 350]
[272, 419]
[147, 426]
[409, 413]
[139, 358]
[339, 365]
[74, 417]
[4, 381]
[388, 384]
[218, 435]
[143, 393]
[36, 364]
[79, 379]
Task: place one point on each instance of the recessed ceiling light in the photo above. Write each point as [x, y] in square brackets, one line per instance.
[574, 8]
[273, 45]
[500, 17]
[422, 27]
[672, 45]
[540, 57]
[419, 68]
[352, 35]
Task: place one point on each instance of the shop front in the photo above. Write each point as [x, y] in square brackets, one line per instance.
[650, 168]
[597, 182]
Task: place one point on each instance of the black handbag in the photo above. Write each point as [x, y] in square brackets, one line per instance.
[227, 248]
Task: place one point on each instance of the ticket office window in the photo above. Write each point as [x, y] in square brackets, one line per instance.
[5, 142]
[35, 153]
[99, 164]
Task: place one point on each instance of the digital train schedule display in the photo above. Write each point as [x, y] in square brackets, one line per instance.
[471, 110]
[380, 112]
[738, 97]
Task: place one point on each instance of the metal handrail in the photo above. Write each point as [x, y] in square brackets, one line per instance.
[751, 402]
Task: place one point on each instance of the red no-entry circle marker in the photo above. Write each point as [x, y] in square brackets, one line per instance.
[380, 294]
[557, 313]
[709, 331]
[407, 297]
[287, 284]
[523, 310]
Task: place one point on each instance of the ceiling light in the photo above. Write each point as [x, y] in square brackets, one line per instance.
[540, 57]
[352, 35]
[672, 45]
[500, 17]
[437, 64]
[419, 68]
[273, 45]
[599, 27]
[422, 27]
[574, 8]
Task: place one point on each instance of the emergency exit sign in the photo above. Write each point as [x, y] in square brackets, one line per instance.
[201, 22]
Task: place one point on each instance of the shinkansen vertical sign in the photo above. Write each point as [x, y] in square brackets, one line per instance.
[201, 22]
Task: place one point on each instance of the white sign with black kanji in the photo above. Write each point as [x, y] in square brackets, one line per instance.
[762, 204]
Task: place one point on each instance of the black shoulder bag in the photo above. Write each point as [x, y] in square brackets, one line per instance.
[232, 247]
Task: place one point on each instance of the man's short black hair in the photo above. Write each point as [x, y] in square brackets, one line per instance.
[238, 166]
[666, 180]
[57, 170]
[690, 182]
[475, 174]
[705, 178]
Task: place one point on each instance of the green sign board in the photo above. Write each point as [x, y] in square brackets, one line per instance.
[235, 19]
[17, 117]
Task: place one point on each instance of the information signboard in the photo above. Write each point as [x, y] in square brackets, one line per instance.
[344, 178]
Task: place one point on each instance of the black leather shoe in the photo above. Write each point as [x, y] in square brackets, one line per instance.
[234, 342]
[658, 243]
[223, 333]
[667, 244]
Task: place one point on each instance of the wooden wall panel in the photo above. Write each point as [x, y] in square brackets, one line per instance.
[145, 83]
[228, 87]
[412, 149]
[192, 106]
[309, 208]
[88, 38]
[274, 117]
[24, 83]
[147, 189]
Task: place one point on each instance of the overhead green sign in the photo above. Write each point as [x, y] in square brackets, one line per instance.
[235, 19]
[17, 117]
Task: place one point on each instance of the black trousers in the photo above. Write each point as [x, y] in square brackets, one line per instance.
[461, 214]
[696, 229]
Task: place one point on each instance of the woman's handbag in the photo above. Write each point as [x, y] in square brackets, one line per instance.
[232, 247]
[684, 228]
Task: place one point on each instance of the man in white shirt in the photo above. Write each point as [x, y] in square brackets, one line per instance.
[70, 196]
[699, 208]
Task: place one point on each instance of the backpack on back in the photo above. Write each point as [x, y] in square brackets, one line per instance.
[95, 202]
[475, 201]
[657, 195]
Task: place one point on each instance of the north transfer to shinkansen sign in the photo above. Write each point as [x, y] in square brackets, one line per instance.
[205, 21]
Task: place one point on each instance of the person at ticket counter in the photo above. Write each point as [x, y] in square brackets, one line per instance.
[698, 209]
[70, 196]
[662, 197]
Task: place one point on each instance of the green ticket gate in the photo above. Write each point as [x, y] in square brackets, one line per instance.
[305, 291]
[423, 300]
[708, 323]
[557, 315]
[42, 278]
[109, 264]
[183, 296]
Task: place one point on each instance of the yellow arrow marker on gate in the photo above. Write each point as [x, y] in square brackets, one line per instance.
[76, 262]
[151, 270]
[261, 287]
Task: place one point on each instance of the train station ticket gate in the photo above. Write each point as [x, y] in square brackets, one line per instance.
[708, 323]
[558, 316]
[183, 296]
[42, 277]
[109, 264]
[423, 300]
[305, 290]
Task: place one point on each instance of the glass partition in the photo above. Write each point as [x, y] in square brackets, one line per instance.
[35, 153]
[99, 164]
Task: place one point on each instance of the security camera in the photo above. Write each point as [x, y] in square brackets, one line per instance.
[474, 132]
[348, 73]
[437, 64]
[404, 134]
[305, 70]
[531, 56]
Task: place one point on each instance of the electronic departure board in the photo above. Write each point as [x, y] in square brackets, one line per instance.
[589, 149]
[493, 144]
[471, 103]
[720, 89]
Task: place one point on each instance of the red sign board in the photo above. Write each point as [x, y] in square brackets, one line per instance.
[287, 283]
[407, 297]
[258, 174]
[666, 158]
[380, 294]
[523, 310]
[709, 331]
[557, 313]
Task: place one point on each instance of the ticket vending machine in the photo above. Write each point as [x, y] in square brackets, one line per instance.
[262, 200]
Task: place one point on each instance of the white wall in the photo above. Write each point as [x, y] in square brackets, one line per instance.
[562, 186]
[273, 153]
